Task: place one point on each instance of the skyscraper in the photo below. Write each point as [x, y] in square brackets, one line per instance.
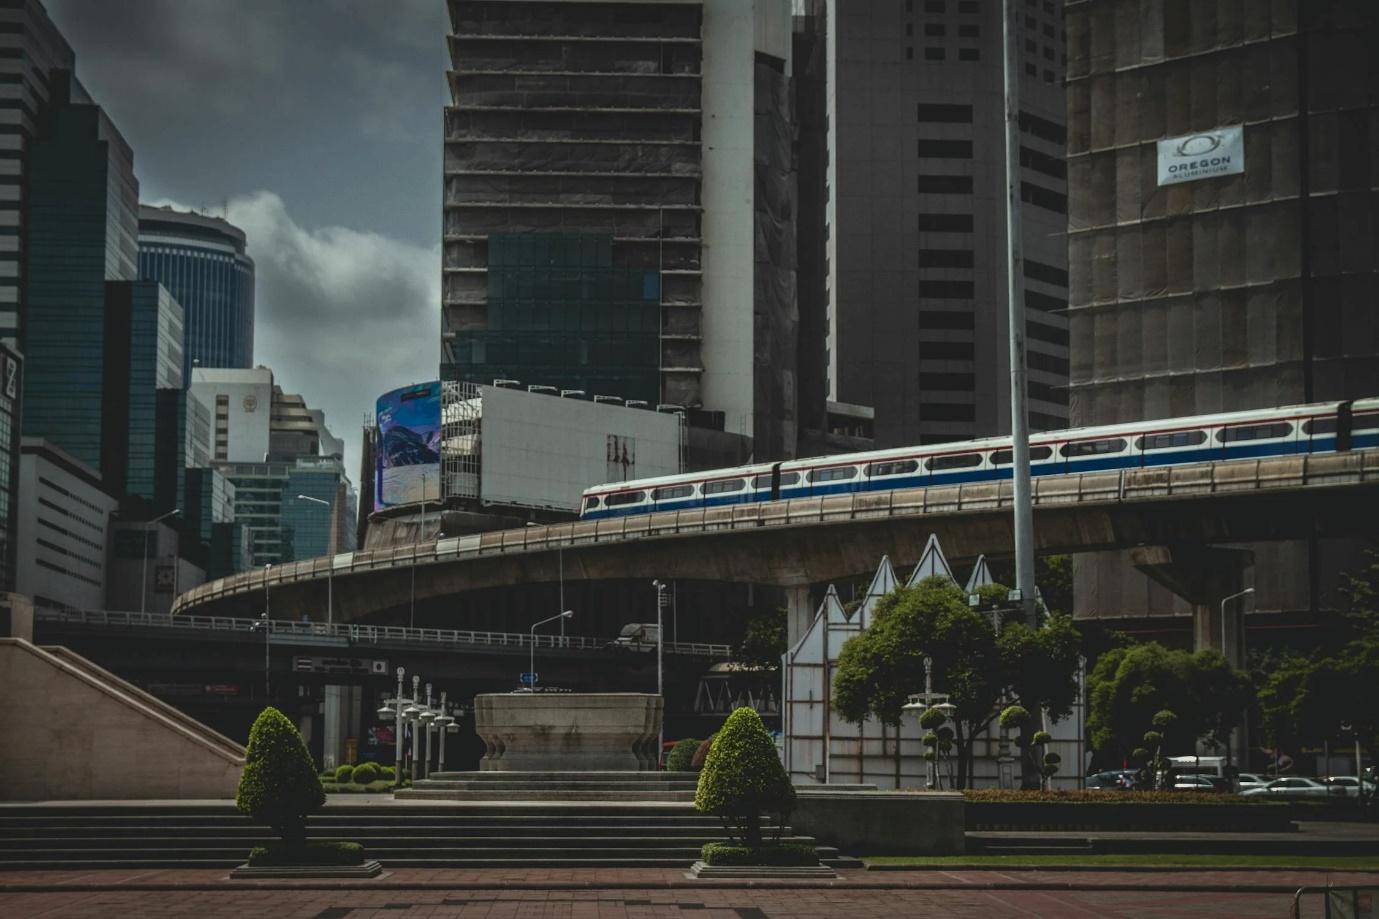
[201, 260]
[31, 51]
[619, 205]
[82, 232]
[1251, 288]
[916, 244]
[11, 410]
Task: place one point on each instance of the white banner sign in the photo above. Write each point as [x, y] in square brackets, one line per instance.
[1201, 156]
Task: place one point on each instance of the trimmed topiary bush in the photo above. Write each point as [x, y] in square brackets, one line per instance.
[364, 773]
[697, 763]
[279, 786]
[344, 773]
[742, 777]
[681, 758]
[785, 854]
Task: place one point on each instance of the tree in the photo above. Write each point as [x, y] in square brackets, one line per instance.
[743, 776]
[764, 638]
[1040, 667]
[1130, 685]
[279, 785]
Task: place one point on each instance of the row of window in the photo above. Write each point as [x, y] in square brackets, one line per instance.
[1037, 453]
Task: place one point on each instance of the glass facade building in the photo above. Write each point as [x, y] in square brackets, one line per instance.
[11, 375]
[202, 261]
[310, 526]
[561, 314]
[82, 233]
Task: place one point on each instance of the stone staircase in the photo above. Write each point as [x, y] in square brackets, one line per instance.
[554, 786]
[457, 834]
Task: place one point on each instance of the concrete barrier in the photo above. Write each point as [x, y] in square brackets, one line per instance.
[72, 735]
[883, 822]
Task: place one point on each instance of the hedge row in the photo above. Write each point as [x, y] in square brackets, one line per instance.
[780, 855]
[381, 786]
[334, 854]
[1016, 796]
[362, 774]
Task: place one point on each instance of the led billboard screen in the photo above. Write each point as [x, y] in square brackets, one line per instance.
[408, 466]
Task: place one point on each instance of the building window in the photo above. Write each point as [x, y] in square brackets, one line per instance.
[1049, 76]
[1042, 197]
[1031, 46]
[909, 54]
[945, 149]
[1047, 333]
[946, 319]
[1031, 23]
[909, 28]
[935, 6]
[969, 54]
[1043, 129]
[944, 113]
[969, 31]
[1050, 166]
[1043, 302]
[940, 411]
[1046, 393]
[1047, 363]
[945, 185]
[1031, 70]
[1048, 30]
[947, 290]
[933, 54]
[948, 382]
[947, 351]
[945, 258]
[945, 223]
[1046, 273]
[934, 30]
[969, 7]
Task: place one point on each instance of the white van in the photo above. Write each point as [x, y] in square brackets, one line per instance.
[637, 636]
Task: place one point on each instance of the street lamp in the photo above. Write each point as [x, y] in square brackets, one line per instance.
[412, 713]
[560, 568]
[660, 682]
[394, 707]
[330, 572]
[143, 586]
[929, 699]
[1243, 593]
[531, 664]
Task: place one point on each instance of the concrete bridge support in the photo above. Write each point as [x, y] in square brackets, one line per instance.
[1204, 576]
[799, 613]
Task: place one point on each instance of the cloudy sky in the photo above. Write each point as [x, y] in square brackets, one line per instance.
[316, 124]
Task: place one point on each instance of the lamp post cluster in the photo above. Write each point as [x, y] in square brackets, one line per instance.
[938, 701]
[429, 717]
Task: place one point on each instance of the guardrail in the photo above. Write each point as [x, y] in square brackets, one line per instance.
[1112, 486]
[353, 633]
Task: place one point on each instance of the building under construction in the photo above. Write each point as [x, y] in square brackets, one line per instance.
[619, 209]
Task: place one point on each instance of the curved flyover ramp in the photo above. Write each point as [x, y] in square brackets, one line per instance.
[78, 732]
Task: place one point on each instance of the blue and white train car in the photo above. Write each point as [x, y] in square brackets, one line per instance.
[1322, 428]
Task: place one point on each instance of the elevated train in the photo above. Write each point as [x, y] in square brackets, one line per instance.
[1320, 428]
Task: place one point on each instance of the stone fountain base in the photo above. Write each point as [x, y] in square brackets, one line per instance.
[568, 732]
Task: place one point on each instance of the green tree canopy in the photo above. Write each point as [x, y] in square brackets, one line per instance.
[1130, 685]
[279, 785]
[764, 638]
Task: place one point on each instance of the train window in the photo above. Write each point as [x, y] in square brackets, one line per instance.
[722, 486]
[591, 503]
[624, 497]
[1093, 447]
[1036, 454]
[834, 474]
[671, 492]
[786, 478]
[957, 461]
[1369, 421]
[1170, 440]
[1254, 432]
[894, 467]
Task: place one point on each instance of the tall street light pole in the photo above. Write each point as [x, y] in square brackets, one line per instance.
[560, 563]
[1015, 318]
[143, 584]
[531, 664]
[330, 572]
[660, 680]
[1240, 642]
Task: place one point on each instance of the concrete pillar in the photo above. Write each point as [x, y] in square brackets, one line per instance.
[332, 721]
[799, 613]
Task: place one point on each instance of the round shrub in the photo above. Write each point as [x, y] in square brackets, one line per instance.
[279, 786]
[743, 776]
[1153, 738]
[1163, 719]
[364, 773]
[1052, 759]
[931, 718]
[1014, 717]
[929, 740]
[343, 773]
[1139, 755]
[681, 756]
[1041, 737]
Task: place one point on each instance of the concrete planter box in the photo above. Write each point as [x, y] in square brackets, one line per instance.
[883, 822]
[1112, 815]
[721, 872]
[368, 869]
[568, 732]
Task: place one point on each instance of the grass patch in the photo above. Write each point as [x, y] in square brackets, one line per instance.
[313, 854]
[1130, 860]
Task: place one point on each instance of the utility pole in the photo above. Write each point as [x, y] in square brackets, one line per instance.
[1015, 293]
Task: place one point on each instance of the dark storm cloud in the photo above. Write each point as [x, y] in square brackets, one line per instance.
[315, 124]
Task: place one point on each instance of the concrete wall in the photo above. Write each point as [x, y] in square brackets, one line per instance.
[884, 822]
[82, 734]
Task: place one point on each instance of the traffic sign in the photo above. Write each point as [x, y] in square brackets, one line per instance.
[527, 679]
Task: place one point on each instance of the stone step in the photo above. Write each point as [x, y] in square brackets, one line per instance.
[20, 837]
[373, 844]
[536, 794]
[503, 775]
[522, 788]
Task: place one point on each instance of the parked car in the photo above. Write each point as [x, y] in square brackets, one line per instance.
[1201, 783]
[1291, 787]
[1347, 785]
[1111, 780]
[637, 636]
[1248, 780]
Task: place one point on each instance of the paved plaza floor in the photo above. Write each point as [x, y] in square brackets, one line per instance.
[647, 893]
